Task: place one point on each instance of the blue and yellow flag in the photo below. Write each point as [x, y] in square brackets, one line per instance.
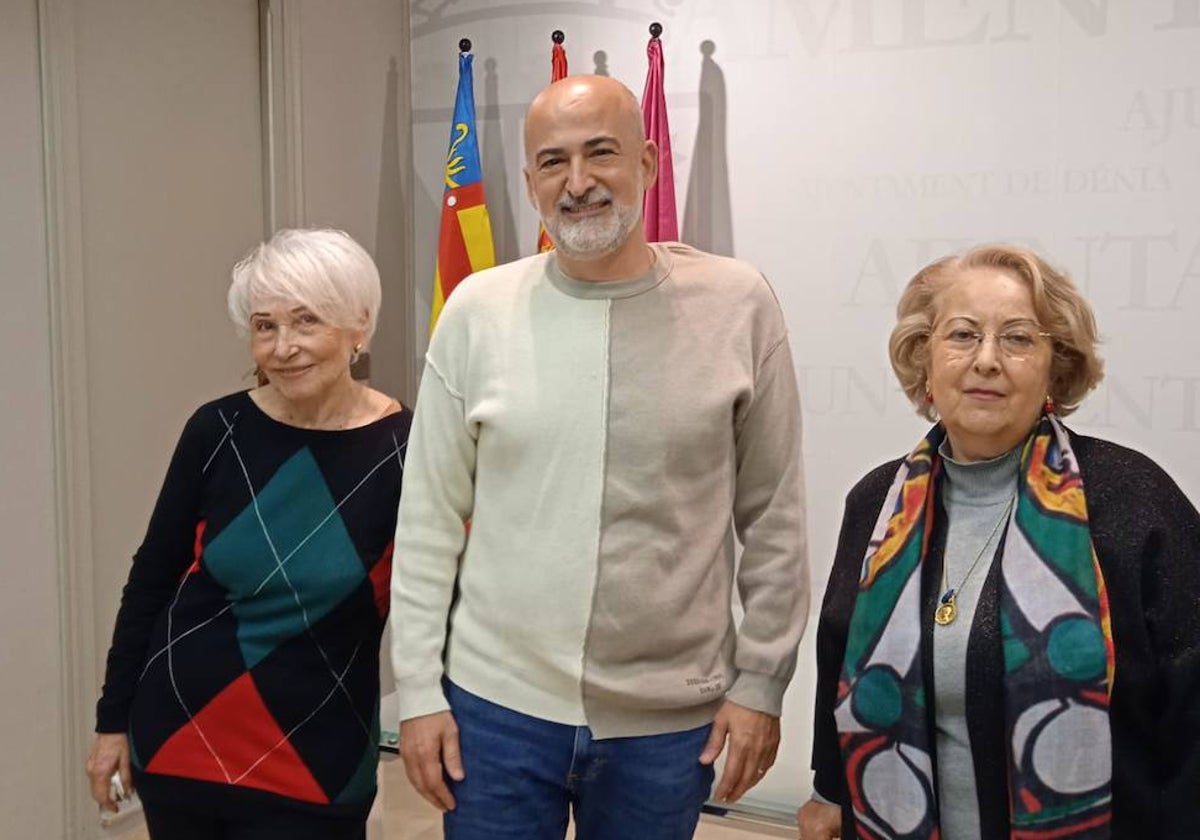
[465, 242]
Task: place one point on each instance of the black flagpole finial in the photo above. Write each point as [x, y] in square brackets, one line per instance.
[557, 36]
[464, 45]
[655, 29]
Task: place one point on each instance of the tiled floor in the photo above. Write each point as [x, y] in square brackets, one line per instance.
[406, 816]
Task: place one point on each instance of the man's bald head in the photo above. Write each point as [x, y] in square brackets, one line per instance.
[577, 98]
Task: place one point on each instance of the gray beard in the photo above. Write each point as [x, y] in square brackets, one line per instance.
[594, 237]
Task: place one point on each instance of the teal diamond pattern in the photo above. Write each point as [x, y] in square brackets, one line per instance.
[298, 512]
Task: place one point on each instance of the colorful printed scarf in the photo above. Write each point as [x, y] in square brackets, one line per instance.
[1058, 658]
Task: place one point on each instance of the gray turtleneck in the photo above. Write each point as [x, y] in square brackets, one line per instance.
[976, 496]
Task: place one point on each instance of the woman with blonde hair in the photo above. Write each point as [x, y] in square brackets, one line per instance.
[1009, 645]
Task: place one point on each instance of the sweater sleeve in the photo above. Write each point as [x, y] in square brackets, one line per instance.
[1171, 575]
[160, 562]
[773, 578]
[861, 510]
[828, 779]
[438, 497]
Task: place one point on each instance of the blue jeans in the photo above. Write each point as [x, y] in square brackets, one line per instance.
[524, 773]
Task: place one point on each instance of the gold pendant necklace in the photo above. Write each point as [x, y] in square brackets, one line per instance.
[946, 610]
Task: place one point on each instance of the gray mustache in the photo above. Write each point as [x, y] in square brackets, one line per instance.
[590, 197]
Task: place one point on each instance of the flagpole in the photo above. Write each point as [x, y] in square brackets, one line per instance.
[558, 71]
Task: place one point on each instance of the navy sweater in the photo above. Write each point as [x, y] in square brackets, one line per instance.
[245, 660]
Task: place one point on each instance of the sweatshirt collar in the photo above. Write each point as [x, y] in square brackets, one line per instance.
[612, 289]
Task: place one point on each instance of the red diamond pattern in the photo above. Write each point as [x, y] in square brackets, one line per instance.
[241, 731]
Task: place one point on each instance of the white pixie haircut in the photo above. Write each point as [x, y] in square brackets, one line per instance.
[320, 268]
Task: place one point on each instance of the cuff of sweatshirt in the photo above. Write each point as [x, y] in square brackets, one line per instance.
[761, 692]
[420, 695]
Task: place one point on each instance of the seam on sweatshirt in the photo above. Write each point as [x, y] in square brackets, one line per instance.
[767, 357]
[421, 676]
[450, 389]
[604, 425]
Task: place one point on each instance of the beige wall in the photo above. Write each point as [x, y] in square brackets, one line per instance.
[154, 186]
[354, 122]
[351, 78]
[30, 786]
[171, 195]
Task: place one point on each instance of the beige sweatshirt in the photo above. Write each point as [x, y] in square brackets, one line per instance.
[605, 441]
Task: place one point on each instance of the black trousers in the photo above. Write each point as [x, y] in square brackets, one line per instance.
[168, 822]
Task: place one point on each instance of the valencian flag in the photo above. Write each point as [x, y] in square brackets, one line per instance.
[465, 242]
[558, 70]
[659, 216]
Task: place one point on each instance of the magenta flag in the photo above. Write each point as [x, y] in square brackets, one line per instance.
[660, 218]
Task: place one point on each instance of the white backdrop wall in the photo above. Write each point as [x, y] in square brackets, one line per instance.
[839, 145]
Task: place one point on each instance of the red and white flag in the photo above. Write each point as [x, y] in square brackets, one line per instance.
[558, 70]
[660, 218]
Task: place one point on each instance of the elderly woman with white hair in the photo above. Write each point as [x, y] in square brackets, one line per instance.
[241, 691]
[1009, 646]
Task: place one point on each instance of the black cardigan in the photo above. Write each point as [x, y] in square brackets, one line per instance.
[1147, 536]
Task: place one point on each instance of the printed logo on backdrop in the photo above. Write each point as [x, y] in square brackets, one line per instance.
[1164, 112]
[824, 26]
[1164, 402]
[430, 16]
[1143, 272]
[1105, 178]
[849, 25]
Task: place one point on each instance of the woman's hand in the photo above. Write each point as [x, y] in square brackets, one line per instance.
[819, 821]
[110, 754]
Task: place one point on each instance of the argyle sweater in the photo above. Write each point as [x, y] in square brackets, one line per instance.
[245, 659]
[606, 441]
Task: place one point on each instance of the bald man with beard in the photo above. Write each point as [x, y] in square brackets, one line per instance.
[608, 417]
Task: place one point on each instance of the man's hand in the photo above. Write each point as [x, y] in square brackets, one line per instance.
[753, 739]
[819, 821]
[110, 754]
[429, 747]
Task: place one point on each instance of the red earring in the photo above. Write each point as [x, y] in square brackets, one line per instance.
[1048, 408]
[929, 397]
